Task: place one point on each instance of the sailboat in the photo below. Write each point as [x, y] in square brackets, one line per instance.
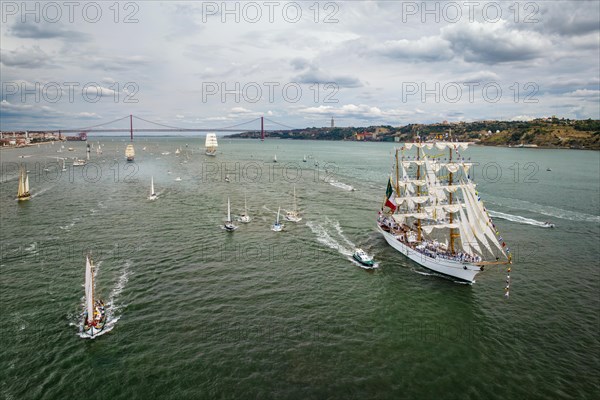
[277, 227]
[211, 144]
[153, 195]
[23, 190]
[293, 215]
[64, 168]
[229, 226]
[245, 218]
[304, 159]
[94, 315]
[275, 158]
[443, 226]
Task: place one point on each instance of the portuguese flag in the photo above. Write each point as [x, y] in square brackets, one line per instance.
[389, 196]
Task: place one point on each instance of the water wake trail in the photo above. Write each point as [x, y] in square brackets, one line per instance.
[518, 219]
[549, 211]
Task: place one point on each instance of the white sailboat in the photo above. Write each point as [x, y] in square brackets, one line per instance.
[23, 189]
[304, 159]
[275, 158]
[245, 218]
[153, 195]
[425, 219]
[293, 215]
[64, 168]
[229, 226]
[277, 227]
[211, 144]
[94, 315]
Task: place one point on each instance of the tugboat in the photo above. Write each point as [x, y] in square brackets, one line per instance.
[363, 258]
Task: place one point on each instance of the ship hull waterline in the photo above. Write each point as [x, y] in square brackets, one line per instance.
[462, 271]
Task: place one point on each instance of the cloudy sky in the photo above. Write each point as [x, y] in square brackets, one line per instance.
[197, 64]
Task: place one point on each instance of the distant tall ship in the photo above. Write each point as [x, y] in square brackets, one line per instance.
[433, 214]
[23, 190]
[211, 144]
[130, 153]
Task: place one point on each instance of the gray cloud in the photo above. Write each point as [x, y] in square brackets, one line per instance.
[313, 74]
[22, 57]
[45, 30]
[494, 43]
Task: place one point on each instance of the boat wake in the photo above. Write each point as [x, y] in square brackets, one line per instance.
[340, 185]
[327, 236]
[518, 219]
[550, 211]
[72, 224]
[44, 190]
[439, 276]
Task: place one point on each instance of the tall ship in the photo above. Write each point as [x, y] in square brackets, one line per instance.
[23, 190]
[433, 214]
[211, 144]
[130, 153]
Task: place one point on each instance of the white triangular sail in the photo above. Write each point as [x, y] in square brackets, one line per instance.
[228, 211]
[152, 187]
[89, 289]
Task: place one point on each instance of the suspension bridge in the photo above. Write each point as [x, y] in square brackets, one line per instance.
[158, 127]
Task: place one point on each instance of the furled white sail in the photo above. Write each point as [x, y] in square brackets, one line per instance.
[414, 199]
[429, 228]
[89, 289]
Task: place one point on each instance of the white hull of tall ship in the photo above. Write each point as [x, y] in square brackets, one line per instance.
[455, 269]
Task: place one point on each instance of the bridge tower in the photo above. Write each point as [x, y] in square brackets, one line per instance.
[262, 129]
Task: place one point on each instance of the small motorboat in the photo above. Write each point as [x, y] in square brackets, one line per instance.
[178, 179]
[363, 258]
[549, 224]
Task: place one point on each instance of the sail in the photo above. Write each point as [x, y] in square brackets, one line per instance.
[89, 289]
[279, 209]
[129, 151]
[211, 141]
[228, 211]
[152, 185]
[21, 190]
[475, 221]
[468, 233]
[26, 183]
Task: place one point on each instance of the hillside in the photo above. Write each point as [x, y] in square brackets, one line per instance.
[543, 132]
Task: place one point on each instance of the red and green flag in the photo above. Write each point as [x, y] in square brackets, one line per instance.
[389, 196]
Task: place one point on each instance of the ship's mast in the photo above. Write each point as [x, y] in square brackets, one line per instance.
[452, 234]
[397, 174]
[91, 317]
[418, 191]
